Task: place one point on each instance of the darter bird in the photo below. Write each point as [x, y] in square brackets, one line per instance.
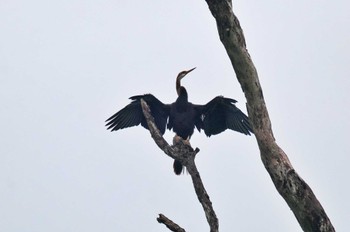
[182, 116]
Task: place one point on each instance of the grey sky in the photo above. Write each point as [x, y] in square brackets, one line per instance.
[66, 66]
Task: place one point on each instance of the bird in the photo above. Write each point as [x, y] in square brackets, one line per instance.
[182, 116]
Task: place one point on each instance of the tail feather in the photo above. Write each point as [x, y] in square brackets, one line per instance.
[178, 168]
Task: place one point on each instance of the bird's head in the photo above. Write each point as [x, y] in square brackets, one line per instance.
[183, 74]
[179, 77]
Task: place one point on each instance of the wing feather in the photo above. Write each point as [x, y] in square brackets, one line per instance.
[132, 115]
[220, 114]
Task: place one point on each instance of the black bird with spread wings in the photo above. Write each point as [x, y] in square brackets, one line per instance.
[182, 116]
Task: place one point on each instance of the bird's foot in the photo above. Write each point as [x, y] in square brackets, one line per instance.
[177, 140]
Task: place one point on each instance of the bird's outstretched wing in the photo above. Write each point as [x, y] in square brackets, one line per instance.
[220, 114]
[132, 115]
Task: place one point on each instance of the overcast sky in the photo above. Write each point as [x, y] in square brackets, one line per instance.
[66, 66]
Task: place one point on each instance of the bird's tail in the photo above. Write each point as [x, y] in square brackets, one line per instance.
[178, 168]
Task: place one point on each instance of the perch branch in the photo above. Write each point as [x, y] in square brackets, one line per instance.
[295, 191]
[186, 155]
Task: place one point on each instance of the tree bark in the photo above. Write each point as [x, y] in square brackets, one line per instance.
[295, 191]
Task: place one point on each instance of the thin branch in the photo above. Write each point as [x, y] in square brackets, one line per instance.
[298, 195]
[186, 155]
[203, 196]
[169, 223]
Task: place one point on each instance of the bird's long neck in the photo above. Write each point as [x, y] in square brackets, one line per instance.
[178, 85]
[182, 99]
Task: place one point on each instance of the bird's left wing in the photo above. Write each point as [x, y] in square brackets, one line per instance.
[220, 114]
[132, 115]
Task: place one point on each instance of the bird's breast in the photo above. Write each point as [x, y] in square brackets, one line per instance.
[182, 120]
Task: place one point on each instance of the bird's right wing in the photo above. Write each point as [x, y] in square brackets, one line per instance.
[220, 114]
[132, 115]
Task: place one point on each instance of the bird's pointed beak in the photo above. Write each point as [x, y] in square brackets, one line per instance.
[190, 70]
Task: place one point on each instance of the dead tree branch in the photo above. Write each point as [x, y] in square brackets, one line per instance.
[298, 195]
[186, 155]
[169, 223]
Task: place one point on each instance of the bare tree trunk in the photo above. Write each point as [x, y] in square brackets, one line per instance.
[298, 195]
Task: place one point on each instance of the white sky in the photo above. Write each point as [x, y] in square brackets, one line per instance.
[66, 66]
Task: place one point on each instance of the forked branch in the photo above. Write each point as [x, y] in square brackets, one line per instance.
[186, 155]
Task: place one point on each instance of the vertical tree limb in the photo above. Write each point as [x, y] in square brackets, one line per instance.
[298, 195]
